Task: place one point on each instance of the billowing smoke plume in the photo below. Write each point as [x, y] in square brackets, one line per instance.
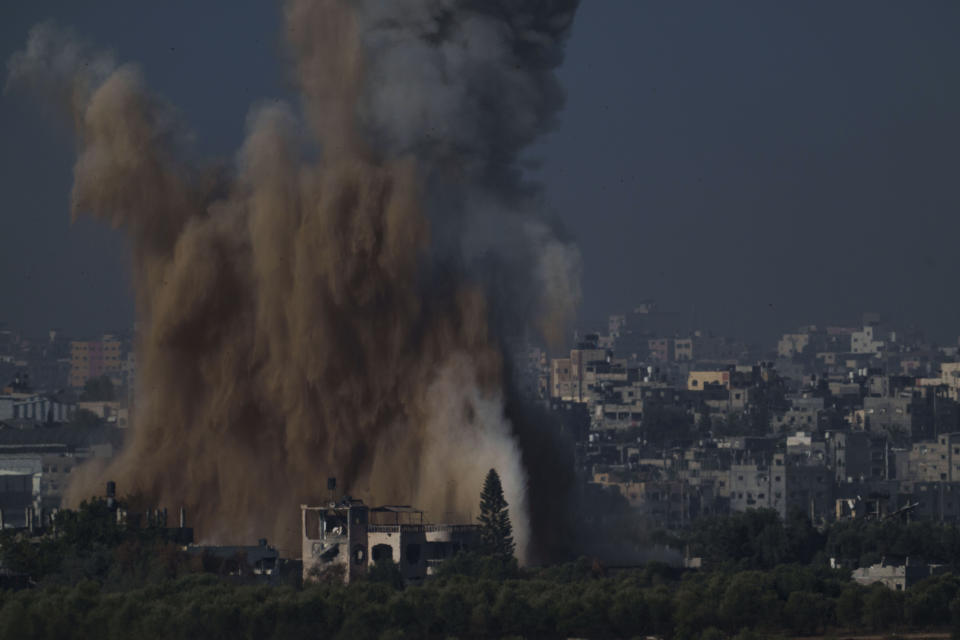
[335, 304]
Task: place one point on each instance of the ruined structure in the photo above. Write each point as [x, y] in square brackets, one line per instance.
[342, 540]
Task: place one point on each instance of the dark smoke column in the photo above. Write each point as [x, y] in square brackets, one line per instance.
[302, 318]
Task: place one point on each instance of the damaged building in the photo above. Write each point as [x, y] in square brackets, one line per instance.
[342, 540]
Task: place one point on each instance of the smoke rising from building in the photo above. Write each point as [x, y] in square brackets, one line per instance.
[334, 303]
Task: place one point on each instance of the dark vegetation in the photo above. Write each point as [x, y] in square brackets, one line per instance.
[98, 389]
[85, 418]
[763, 578]
[88, 544]
[758, 539]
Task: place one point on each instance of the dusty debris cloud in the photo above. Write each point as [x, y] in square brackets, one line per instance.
[334, 304]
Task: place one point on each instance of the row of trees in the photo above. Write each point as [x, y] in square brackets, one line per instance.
[759, 539]
[765, 577]
[575, 600]
[89, 545]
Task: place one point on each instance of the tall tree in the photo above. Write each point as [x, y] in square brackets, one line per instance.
[496, 533]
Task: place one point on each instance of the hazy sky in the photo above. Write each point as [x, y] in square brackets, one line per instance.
[762, 165]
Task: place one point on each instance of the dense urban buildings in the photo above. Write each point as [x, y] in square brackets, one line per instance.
[834, 422]
[62, 402]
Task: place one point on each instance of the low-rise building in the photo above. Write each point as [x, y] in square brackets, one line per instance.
[683, 349]
[344, 539]
[19, 496]
[260, 561]
[796, 418]
[935, 460]
[568, 376]
[699, 380]
[758, 485]
[858, 456]
[864, 341]
[792, 344]
[35, 407]
[660, 349]
[896, 577]
[50, 454]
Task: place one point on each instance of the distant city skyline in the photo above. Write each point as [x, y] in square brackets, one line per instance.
[760, 166]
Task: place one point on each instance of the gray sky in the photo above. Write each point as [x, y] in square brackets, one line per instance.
[762, 165]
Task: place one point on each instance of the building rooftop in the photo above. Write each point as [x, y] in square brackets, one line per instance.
[13, 435]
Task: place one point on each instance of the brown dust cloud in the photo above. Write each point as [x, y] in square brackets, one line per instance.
[335, 300]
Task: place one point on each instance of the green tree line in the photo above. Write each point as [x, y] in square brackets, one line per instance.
[763, 578]
[759, 539]
[573, 600]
